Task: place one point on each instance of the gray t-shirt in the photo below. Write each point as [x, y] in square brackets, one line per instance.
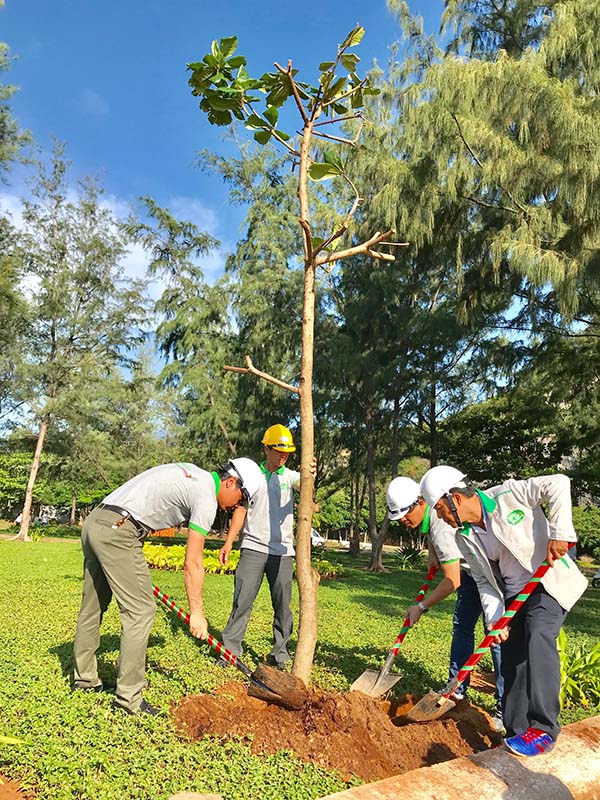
[170, 495]
[269, 524]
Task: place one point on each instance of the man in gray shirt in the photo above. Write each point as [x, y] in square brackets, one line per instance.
[267, 548]
[114, 564]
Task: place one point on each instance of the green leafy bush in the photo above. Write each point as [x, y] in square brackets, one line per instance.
[172, 557]
[586, 520]
[579, 674]
[328, 570]
[410, 557]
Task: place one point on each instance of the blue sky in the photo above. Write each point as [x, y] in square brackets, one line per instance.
[109, 79]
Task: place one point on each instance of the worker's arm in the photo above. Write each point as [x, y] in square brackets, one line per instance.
[193, 576]
[449, 583]
[235, 526]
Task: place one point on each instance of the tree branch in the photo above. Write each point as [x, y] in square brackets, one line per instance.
[294, 88]
[251, 370]
[361, 249]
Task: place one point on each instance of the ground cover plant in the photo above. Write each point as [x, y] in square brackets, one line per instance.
[75, 747]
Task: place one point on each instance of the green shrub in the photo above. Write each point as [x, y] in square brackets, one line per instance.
[579, 674]
[586, 520]
[410, 557]
[172, 557]
[328, 570]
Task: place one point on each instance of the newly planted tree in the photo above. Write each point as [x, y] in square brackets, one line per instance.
[227, 92]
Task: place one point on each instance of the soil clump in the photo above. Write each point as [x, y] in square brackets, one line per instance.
[351, 733]
[9, 790]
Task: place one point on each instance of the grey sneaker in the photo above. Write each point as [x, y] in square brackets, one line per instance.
[498, 722]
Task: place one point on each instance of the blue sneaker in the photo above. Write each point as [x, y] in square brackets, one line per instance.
[531, 743]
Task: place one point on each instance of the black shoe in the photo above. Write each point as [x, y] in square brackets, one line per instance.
[144, 708]
[272, 662]
[89, 689]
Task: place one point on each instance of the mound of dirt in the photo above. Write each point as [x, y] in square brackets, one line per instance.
[9, 790]
[351, 733]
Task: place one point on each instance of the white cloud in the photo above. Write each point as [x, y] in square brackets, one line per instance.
[10, 205]
[94, 104]
[136, 261]
[193, 210]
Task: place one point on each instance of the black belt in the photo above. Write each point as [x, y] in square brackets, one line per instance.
[143, 530]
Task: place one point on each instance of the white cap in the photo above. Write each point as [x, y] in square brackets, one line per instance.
[248, 472]
[401, 495]
[438, 482]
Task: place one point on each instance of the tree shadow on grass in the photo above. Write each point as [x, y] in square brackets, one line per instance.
[109, 643]
[352, 662]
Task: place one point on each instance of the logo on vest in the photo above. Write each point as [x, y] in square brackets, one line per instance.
[515, 517]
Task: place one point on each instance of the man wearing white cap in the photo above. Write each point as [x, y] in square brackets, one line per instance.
[114, 564]
[504, 535]
[406, 505]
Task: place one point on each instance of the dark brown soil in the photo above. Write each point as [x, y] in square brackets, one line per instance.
[351, 733]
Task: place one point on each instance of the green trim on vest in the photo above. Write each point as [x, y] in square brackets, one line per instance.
[426, 524]
[487, 502]
[217, 480]
[265, 471]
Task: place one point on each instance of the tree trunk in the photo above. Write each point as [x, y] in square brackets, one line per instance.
[73, 515]
[23, 535]
[359, 501]
[433, 443]
[308, 579]
[376, 564]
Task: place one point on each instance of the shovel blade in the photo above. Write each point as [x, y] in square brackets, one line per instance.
[433, 706]
[374, 684]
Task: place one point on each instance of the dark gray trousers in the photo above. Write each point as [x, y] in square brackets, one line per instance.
[531, 666]
[248, 578]
[114, 564]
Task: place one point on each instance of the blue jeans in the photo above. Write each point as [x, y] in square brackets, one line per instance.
[466, 613]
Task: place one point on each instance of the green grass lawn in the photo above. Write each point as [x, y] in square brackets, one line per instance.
[75, 748]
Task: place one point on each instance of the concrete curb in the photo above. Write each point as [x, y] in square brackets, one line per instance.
[570, 772]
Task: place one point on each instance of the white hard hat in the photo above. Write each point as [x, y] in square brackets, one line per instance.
[248, 472]
[401, 495]
[438, 482]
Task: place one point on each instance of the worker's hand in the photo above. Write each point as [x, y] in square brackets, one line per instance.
[414, 614]
[198, 625]
[556, 550]
[224, 553]
[502, 635]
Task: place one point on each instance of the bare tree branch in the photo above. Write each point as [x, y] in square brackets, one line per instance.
[251, 370]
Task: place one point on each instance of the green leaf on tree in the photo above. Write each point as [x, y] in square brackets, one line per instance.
[349, 61]
[272, 115]
[262, 137]
[228, 46]
[354, 37]
[323, 172]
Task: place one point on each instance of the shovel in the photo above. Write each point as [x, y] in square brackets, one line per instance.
[374, 683]
[435, 704]
[266, 682]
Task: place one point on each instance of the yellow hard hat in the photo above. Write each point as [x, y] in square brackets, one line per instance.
[279, 438]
